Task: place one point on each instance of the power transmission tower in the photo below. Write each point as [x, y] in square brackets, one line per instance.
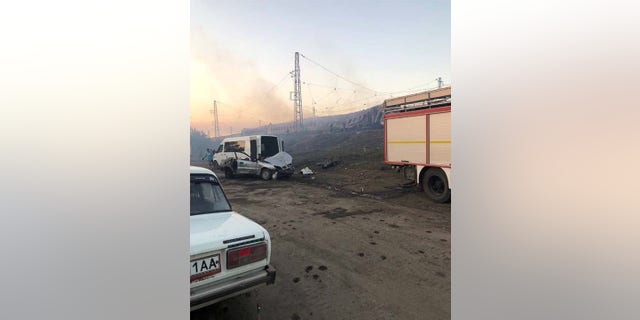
[297, 96]
[216, 127]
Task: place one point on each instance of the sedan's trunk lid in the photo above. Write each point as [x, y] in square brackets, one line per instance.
[216, 231]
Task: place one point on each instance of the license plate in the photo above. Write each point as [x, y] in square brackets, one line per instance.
[205, 266]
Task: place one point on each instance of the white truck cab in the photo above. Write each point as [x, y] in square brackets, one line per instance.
[230, 254]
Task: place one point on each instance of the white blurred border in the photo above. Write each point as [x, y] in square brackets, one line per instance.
[545, 216]
[94, 159]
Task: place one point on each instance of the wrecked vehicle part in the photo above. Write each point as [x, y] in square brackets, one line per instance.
[306, 171]
[283, 164]
[277, 166]
[280, 159]
[327, 163]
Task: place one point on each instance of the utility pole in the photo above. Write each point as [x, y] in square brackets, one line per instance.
[297, 96]
[216, 127]
[314, 115]
[439, 82]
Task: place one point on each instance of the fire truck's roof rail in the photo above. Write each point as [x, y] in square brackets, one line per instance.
[427, 99]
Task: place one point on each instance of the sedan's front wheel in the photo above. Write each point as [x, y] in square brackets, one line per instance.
[266, 174]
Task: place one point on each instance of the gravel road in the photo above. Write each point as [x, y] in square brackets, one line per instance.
[340, 254]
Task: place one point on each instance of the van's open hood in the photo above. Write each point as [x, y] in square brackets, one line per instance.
[209, 231]
[280, 159]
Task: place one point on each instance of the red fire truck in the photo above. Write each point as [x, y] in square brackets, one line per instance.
[417, 138]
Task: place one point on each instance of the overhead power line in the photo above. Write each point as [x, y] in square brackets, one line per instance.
[326, 86]
[279, 82]
[337, 75]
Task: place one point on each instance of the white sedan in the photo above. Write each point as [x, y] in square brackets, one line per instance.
[230, 254]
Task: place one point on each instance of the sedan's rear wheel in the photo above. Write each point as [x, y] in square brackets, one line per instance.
[228, 173]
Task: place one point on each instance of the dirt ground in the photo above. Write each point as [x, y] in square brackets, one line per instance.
[354, 241]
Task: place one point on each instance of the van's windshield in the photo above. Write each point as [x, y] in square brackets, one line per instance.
[269, 146]
[207, 195]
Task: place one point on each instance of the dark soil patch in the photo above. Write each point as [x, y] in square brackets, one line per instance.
[342, 212]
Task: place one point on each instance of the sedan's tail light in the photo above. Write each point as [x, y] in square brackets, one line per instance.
[246, 255]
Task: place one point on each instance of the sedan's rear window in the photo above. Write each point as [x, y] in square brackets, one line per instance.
[207, 195]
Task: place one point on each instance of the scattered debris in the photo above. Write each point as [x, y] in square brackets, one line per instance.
[306, 171]
[327, 163]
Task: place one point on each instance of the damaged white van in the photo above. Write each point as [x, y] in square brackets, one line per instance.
[258, 155]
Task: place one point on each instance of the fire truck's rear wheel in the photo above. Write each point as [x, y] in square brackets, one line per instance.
[266, 174]
[436, 186]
